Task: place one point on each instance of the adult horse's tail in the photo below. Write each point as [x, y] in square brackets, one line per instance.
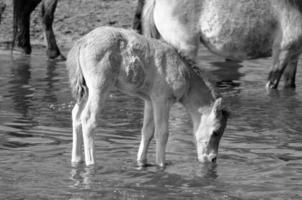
[77, 81]
[148, 25]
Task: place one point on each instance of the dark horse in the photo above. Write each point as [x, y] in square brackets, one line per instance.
[234, 29]
[21, 38]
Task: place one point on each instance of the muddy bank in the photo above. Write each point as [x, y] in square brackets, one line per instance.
[73, 18]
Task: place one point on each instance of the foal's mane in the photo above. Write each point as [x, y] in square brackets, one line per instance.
[206, 77]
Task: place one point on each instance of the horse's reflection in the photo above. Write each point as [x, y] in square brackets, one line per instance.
[208, 171]
[20, 90]
[227, 74]
[50, 81]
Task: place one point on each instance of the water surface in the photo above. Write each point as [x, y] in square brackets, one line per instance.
[260, 155]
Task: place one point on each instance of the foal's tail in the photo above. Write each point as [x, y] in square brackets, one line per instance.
[76, 78]
[148, 25]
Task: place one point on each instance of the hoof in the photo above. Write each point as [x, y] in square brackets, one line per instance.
[55, 55]
[58, 58]
[289, 85]
[21, 51]
[271, 85]
[141, 163]
[76, 163]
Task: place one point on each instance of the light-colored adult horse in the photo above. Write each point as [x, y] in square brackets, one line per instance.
[235, 29]
[146, 68]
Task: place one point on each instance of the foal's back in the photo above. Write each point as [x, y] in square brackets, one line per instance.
[137, 65]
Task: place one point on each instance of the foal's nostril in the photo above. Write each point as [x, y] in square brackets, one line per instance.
[214, 159]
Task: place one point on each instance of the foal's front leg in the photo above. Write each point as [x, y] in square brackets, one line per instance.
[147, 134]
[161, 117]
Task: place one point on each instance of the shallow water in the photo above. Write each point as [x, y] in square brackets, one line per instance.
[260, 155]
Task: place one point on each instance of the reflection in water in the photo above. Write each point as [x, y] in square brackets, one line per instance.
[228, 75]
[82, 176]
[228, 70]
[50, 80]
[21, 93]
[20, 90]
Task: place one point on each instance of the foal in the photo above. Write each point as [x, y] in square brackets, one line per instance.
[146, 68]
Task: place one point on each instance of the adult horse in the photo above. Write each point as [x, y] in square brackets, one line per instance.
[22, 11]
[234, 29]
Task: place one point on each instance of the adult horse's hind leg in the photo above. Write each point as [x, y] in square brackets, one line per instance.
[178, 29]
[147, 134]
[48, 10]
[290, 73]
[280, 61]
[283, 62]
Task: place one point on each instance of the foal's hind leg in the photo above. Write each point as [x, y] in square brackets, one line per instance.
[77, 140]
[147, 134]
[89, 123]
[161, 109]
[48, 10]
[95, 102]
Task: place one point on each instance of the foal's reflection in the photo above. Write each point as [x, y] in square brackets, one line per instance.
[208, 171]
[82, 176]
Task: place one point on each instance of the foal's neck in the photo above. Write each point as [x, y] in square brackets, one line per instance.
[200, 97]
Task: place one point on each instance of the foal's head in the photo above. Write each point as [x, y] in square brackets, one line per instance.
[212, 124]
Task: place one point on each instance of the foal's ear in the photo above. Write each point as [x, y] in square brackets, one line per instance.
[217, 106]
[220, 107]
[204, 110]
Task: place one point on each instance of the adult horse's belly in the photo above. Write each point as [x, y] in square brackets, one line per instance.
[238, 29]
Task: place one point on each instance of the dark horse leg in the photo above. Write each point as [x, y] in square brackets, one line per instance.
[22, 11]
[2, 8]
[48, 9]
[137, 22]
